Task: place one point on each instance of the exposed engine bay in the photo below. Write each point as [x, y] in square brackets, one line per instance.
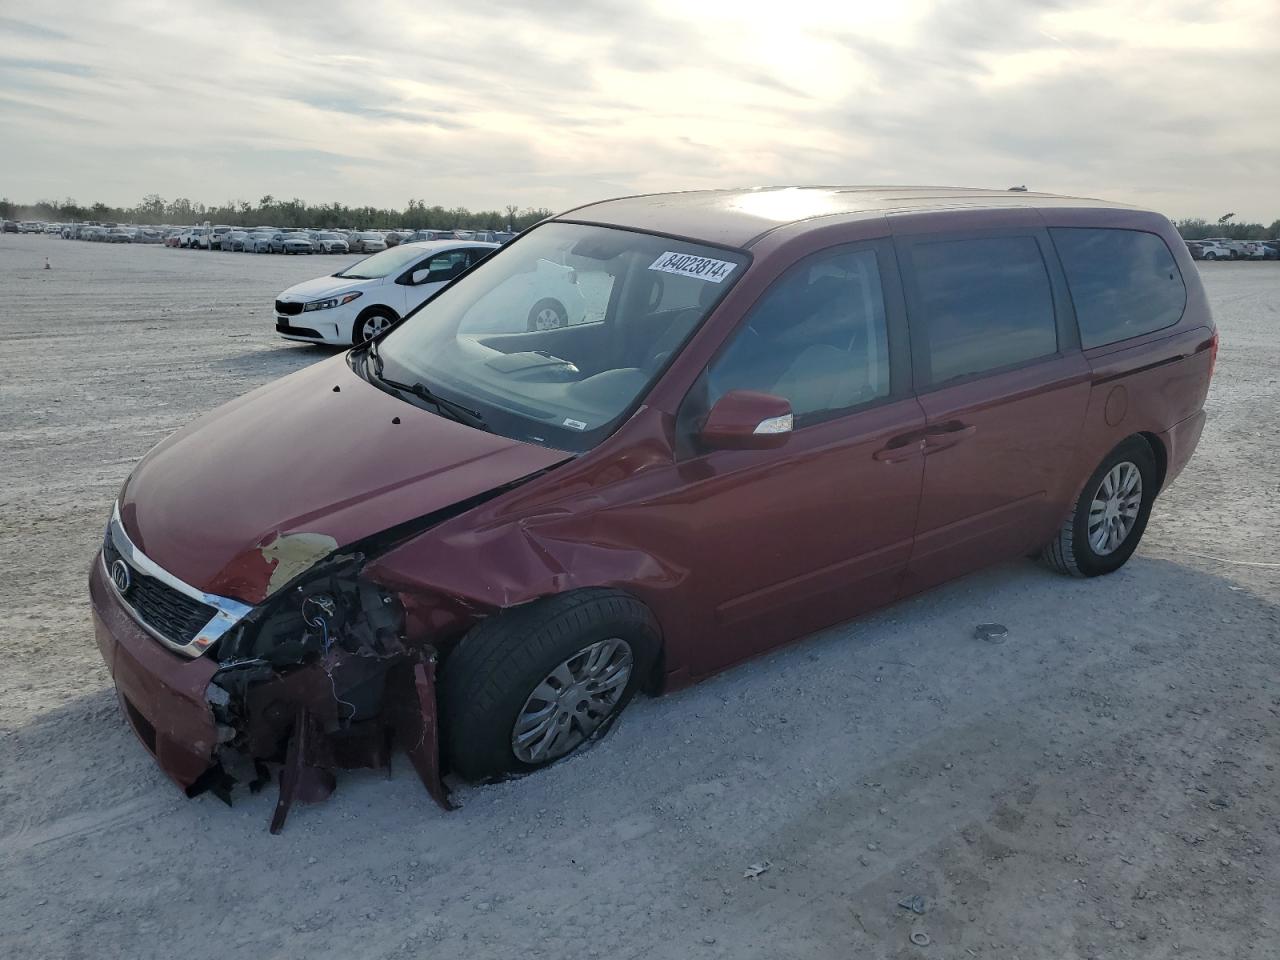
[320, 678]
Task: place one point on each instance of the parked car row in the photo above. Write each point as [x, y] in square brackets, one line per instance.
[27, 226]
[1221, 248]
[262, 239]
[112, 233]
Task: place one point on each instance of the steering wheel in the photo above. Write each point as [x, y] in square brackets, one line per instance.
[654, 362]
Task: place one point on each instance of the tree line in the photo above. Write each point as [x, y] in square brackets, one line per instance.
[1226, 226]
[269, 211]
[417, 215]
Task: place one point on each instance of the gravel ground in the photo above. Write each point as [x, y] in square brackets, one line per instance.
[1103, 784]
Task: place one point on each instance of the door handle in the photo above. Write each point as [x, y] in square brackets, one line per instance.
[900, 448]
[947, 434]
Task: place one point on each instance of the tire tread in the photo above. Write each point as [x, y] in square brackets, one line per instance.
[505, 650]
[1060, 553]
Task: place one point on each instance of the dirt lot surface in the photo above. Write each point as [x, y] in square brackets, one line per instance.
[1103, 784]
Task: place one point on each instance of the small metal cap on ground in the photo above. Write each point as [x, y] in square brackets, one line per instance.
[991, 632]
[920, 938]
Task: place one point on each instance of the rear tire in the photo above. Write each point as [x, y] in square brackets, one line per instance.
[490, 683]
[1082, 546]
[548, 314]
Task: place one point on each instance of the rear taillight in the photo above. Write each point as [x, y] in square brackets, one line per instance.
[1213, 353]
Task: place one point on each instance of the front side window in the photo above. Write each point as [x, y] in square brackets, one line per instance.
[983, 304]
[818, 337]
[445, 266]
[1124, 283]
[554, 339]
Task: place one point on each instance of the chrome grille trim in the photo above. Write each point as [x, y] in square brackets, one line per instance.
[229, 612]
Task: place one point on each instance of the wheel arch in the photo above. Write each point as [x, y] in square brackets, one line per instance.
[651, 683]
[1149, 438]
[377, 308]
[372, 309]
[1158, 451]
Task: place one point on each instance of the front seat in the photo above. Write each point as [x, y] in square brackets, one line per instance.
[819, 378]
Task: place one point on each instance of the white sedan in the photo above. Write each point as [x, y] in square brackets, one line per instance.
[360, 301]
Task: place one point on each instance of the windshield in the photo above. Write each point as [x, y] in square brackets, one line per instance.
[556, 338]
[382, 264]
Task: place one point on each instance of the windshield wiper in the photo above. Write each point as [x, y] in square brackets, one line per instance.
[449, 408]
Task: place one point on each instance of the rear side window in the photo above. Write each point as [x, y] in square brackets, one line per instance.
[1124, 283]
[985, 304]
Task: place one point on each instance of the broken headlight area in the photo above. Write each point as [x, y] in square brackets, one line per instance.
[321, 677]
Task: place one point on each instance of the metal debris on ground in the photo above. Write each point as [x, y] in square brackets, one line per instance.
[920, 938]
[755, 870]
[992, 632]
[914, 903]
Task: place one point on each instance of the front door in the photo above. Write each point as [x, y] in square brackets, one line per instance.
[789, 540]
[1004, 386]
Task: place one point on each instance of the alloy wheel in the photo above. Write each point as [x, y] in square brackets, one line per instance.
[373, 325]
[546, 319]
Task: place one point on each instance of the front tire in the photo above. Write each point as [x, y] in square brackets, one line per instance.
[531, 685]
[371, 323]
[1106, 523]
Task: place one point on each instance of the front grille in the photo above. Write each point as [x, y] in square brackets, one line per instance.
[282, 326]
[167, 611]
[287, 308]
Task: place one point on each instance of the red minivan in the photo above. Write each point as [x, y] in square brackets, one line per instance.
[772, 410]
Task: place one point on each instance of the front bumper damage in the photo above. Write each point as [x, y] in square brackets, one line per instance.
[319, 678]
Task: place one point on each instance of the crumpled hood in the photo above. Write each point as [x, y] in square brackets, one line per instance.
[320, 286]
[262, 488]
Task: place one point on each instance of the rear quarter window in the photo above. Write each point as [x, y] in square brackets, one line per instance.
[1123, 283]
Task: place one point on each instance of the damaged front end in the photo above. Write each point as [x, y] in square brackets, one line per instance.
[319, 676]
[322, 677]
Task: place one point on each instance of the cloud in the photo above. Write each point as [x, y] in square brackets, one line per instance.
[23, 29]
[1160, 102]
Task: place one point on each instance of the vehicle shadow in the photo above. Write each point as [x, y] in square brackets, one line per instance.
[928, 640]
[831, 758]
[280, 359]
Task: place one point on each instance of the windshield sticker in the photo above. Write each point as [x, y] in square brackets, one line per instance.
[687, 265]
[574, 424]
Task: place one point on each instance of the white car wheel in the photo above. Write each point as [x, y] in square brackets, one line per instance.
[548, 314]
[372, 324]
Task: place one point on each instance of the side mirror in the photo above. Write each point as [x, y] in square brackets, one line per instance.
[419, 276]
[748, 420]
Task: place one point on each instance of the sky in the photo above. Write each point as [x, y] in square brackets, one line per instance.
[1168, 104]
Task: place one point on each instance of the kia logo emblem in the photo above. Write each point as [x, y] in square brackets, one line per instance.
[121, 576]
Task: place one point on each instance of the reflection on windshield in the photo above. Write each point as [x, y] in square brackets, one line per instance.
[382, 264]
[557, 337]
